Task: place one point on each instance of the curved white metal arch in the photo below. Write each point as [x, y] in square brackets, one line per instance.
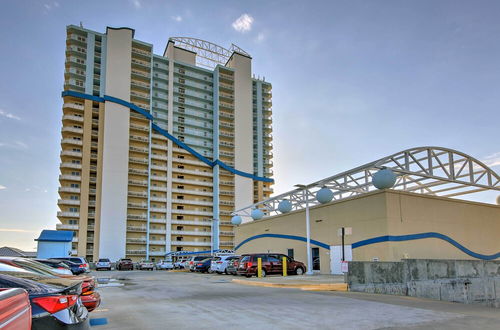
[428, 170]
[208, 53]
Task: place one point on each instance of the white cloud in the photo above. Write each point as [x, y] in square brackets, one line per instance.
[243, 23]
[14, 145]
[260, 37]
[492, 160]
[177, 18]
[2, 187]
[49, 6]
[137, 4]
[8, 115]
[14, 230]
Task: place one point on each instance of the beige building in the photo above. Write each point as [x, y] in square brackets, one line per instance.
[157, 150]
[411, 220]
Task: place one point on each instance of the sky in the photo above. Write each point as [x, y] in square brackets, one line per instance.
[353, 81]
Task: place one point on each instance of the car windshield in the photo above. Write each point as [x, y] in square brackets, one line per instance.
[9, 268]
[103, 260]
[245, 258]
[35, 267]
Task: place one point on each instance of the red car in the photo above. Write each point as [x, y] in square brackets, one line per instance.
[15, 309]
[91, 299]
[124, 264]
[272, 263]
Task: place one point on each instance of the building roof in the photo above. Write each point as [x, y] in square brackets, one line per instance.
[8, 251]
[55, 236]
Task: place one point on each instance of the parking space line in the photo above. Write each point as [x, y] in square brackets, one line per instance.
[99, 321]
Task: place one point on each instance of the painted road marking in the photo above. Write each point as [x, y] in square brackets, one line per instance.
[99, 321]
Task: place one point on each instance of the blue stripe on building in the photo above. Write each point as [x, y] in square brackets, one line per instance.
[380, 239]
[165, 133]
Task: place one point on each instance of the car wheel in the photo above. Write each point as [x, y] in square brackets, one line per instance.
[299, 271]
[248, 276]
[263, 272]
[225, 271]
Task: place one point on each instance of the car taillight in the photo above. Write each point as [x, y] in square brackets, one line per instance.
[248, 264]
[200, 264]
[81, 266]
[61, 268]
[54, 304]
[190, 262]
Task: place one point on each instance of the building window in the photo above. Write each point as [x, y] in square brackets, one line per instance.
[180, 228]
[179, 248]
[180, 197]
[180, 207]
[180, 217]
[73, 209]
[180, 177]
[180, 238]
[290, 253]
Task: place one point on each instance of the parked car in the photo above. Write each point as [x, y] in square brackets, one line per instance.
[232, 266]
[272, 263]
[91, 299]
[164, 264]
[57, 266]
[75, 268]
[15, 309]
[145, 265]
[124, 264]
[203, 266]
[179, 263]
[81, 261]
[103, 263]
[191, 262]
[219, 264]
[55, 302]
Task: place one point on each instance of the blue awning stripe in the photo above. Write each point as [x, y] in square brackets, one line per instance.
[166, 134]
[380, 239]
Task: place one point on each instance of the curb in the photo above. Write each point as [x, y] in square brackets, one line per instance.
[305, 287]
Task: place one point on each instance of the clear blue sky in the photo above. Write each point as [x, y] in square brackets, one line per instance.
[353, 81]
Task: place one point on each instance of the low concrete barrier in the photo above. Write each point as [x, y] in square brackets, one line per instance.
[464, 281]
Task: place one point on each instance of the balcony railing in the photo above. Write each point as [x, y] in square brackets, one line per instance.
[191, 243]
[62, 226]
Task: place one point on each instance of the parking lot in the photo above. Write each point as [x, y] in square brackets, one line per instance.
[182, 300]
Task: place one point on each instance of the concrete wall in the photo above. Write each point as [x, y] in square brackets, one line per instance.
[113, 216]
[475, 226]
[243, 128]
[464, 281]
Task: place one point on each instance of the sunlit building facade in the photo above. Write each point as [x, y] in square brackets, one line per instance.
[158, 150]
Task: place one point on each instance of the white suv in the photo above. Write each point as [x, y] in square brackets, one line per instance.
[103, 263]
[219, 264]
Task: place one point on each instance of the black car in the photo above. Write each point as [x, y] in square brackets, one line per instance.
[203, 265]
[55, 302]
[58, 264]
[75, 268]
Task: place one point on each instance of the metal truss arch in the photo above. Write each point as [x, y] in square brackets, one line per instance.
[430, 170]
[208, 54]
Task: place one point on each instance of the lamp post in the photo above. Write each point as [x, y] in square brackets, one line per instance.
[305, 193]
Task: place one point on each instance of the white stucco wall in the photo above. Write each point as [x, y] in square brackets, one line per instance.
[243, 128]
[113, 224]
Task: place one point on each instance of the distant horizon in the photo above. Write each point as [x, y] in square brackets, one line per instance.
[352, 82]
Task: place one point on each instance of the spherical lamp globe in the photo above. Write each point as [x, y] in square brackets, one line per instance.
[384, 179]
[285, 206]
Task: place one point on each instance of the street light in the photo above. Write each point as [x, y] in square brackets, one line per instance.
[308, 229]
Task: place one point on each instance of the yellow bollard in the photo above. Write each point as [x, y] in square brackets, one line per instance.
[259, 267]
[284, 266]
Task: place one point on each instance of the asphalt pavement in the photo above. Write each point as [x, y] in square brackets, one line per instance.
[183, 300]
